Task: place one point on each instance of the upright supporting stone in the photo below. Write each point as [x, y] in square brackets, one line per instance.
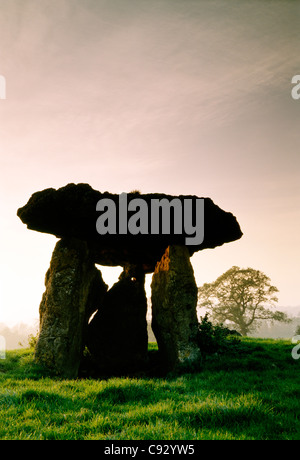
[174, 301]
[74, 289]
[117, 334]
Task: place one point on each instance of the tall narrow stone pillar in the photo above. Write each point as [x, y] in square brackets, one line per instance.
[74, 289]
[174, 301]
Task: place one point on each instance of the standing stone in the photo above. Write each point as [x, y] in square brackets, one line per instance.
[174, 301]
[74, 289]
[117, 334]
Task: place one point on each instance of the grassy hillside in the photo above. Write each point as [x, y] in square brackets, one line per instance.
[251, 392]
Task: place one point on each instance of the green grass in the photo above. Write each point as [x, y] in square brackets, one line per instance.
[251, 392]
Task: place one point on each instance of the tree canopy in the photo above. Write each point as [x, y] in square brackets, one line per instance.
[242, 298]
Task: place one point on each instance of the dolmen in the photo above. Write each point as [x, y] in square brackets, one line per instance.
[143, 233]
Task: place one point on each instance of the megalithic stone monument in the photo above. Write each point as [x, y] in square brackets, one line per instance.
[75, 289]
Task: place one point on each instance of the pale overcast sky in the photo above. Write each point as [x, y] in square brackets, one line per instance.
[174, 96]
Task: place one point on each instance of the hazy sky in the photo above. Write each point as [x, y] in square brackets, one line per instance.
[174, 96]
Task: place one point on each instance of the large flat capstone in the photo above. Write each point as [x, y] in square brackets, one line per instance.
[71, 211]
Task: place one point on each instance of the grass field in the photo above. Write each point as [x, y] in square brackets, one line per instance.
[251, 392]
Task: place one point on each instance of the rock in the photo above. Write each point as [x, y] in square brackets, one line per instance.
[174, 301]
[71, 212]
[74, 289]
[117, 334]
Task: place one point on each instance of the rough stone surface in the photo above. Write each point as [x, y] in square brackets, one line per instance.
[174, 301]
[71, 211]
[74, 289]
[117, 334]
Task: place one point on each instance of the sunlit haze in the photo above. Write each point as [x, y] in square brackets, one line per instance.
[172, 96]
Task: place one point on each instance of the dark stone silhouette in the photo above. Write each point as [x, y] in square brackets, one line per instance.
[74, 290]
[116, 335]
[71, 211]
